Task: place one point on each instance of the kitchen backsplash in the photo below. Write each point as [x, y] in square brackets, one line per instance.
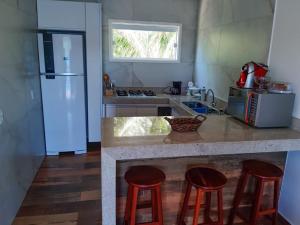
[137, 74]
[228, 37]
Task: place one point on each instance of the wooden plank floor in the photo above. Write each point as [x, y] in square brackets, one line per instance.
[66, 191]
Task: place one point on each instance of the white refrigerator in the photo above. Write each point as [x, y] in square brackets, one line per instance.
[63, 83]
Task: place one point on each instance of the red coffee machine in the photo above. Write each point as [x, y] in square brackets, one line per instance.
[249, 72]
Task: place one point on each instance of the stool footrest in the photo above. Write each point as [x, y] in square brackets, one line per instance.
[190, 207]
[144, 205]
[212, 223]
[149, 223]
[267, 212]
[206, 223]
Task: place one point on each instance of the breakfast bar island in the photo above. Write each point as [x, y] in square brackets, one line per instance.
[222, 142]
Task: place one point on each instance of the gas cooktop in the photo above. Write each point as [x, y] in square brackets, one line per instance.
[135, 93]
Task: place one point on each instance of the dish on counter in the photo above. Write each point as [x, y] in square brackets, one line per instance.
[280, 88]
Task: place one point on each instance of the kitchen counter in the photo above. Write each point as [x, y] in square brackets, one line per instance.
[174, 101]
[136, 138]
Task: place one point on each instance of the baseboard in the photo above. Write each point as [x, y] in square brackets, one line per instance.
[283, 220]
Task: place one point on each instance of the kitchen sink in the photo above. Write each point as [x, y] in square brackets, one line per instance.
[199, 107]
[194, 104]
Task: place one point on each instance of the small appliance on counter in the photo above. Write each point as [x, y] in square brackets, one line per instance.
[193, 90]
[280, 88]
[250, 72]
[261, 109]
[176, 89]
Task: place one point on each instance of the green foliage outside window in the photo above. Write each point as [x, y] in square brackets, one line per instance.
[144, 44]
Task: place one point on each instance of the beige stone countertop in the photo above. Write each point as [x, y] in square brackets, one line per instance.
[151, 137]
[136, 138]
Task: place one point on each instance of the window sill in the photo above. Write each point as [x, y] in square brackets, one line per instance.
[143, 61]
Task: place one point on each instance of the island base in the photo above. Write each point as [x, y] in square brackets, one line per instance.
[174, 187]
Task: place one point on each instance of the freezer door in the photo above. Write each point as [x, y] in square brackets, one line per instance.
[64, 114]
[68, 54]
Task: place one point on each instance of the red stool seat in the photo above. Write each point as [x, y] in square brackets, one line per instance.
[205, 181]
[264, 173]
[262, 169]
[144, 178]
[206, 178]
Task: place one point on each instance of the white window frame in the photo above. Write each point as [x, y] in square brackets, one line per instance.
[161, 26]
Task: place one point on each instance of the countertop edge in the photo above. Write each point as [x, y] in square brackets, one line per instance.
[200, 149]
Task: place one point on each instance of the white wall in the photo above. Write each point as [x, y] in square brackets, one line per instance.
[22, 144]
[284, 56]
[284, 62]
[140, 74]
[290, 191]
[230, 34]
[80, 16]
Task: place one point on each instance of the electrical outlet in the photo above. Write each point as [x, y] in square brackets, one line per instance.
[1, 117]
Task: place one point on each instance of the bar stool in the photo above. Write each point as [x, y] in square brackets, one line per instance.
[144, 178]
[205, 181]
[263, 172]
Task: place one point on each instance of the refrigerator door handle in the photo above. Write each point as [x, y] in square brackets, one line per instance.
[62, 74]
[52, 77]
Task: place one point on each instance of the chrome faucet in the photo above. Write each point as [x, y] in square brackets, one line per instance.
[213, 103]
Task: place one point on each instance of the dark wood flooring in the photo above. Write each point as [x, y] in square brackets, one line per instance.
[66, 191]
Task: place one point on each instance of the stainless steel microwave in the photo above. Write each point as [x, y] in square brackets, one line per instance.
[261, 109]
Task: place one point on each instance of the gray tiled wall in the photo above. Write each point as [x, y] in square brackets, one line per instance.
[230, 33]
[21, 131]
[152, 74]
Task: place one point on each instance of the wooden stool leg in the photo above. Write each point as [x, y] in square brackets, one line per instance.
[275, 201]
[159, 206]
[207, 207]
[197, 207]
[128, 205]
[238, 196]
[220, 208]
[154, 205]
[135, 192]
[185, 204]
[257, 202]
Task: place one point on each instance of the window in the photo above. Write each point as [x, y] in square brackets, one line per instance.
[133, 41]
